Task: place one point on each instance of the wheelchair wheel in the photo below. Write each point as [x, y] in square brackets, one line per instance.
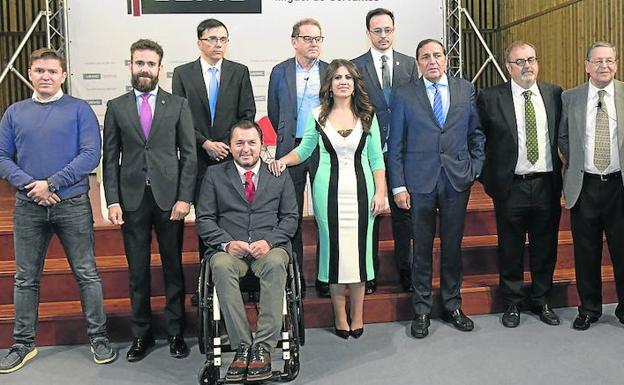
[201, 309]
[208, 374]
[291, 366]
[297, 309]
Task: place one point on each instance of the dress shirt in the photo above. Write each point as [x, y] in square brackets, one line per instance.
[37, 98]
[544, 162]
[207, 75]
[590, 129]
[378, 63]
[151, 99]
[307, 93]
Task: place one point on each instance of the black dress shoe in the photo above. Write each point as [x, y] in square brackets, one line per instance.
[370, 286]
[322, 289]
[344, 334]
[420, 326]
[357, 333]
[583, 321]
[546, 314]
[458, 319]
[139, 349]
[511, 317]
[177, 347]
[405, 276]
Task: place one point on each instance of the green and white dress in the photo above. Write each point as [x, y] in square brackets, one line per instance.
[342, 193]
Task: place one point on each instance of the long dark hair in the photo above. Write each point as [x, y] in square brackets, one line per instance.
[360, 105]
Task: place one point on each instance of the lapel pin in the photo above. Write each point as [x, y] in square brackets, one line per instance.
[163, 102]
[397, 63]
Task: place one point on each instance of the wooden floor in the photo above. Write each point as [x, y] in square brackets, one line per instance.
[61, 321]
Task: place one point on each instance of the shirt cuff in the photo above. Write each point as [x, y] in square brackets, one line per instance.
[113, 205]
[399, 189]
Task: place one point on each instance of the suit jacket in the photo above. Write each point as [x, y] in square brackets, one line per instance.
[572, 136]
[224, 214]
[235, 102]
[282, 103]
[403, 72]
[498, 121]
[129, 158]
[418, 148]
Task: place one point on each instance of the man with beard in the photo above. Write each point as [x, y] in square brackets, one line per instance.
[152, 187]
[522, 174]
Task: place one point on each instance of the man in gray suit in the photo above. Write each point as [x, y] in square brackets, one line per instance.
[293, 92]
[150, 165]
[384, 70]
[246, 218]
[591, 143]
[435, 153]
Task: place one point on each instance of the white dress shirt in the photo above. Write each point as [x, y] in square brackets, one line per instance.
[590, 129]
[37, 98]
[544, 161]
[207, 75]
[377, 62]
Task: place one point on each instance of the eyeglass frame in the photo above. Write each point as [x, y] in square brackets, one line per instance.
[379, 31]
[308, 39]
[607, 62]
[212, 40]
[522, 62]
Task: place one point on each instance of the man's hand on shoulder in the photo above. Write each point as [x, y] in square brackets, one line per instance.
[259, 248]
[238, 249]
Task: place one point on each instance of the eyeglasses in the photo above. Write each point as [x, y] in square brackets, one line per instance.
[149, 64]
[308, 39]
[521, 62]
[214, 39]
[382, 31]
[606, 62]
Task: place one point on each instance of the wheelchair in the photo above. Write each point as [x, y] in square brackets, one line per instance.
[209, 316]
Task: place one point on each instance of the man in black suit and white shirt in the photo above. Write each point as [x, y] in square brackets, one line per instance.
[522, 174]
[150, 166]
[384, 70]
[246, 218]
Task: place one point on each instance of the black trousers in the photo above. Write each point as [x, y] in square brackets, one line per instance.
[599, 208]
[137, 234]
[450, 205]
[532, 208]
[401, 233]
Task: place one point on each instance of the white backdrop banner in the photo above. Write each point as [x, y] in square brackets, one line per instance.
[101, 32]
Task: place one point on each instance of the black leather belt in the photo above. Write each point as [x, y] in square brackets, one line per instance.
[532, 175]
[604, 177]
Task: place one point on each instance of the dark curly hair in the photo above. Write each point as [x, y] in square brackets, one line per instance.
[360, 105]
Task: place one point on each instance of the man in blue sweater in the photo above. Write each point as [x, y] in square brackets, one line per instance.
[48, 146]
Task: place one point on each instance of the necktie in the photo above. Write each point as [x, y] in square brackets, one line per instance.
[145, 115]
[213, 91]
[602, 144]
[438, 110]
[250, 189]
[530, 126]
[385, 78]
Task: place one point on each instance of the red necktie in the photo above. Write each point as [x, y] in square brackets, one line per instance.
[250, 189]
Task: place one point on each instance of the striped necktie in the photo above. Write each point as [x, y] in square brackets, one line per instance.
[438, 109]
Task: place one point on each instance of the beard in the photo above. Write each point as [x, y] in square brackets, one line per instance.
[142, 86]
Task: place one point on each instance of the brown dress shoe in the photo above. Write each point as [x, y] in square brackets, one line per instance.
[238, 368]
[259, 368]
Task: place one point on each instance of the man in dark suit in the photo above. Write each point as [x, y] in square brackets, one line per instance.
[590, 141]
[219, 94]
[384, 70]
[246, 218]
[435, 152]
[522, 174]
[293, 92]
[150, 167]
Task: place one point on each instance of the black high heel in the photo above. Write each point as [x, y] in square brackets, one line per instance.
[357, 333]
[344, 334]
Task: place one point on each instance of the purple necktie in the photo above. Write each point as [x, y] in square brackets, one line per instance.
[145, 115]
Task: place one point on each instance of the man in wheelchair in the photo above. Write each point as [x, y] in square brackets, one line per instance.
[246, 218]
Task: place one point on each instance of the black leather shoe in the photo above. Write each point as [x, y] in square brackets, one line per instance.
[195, 299]
[238, 368]
[139, 349]
[458, 319]
[370, 286]
[420, 326]
[344, 334]
[511, 317]
[322, 289]
[177, 347]
[547, 315]
[619, 313]
[583, 321]
[357, 333]
[259, 368]
[405, 276]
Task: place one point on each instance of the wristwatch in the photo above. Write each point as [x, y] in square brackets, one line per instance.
[51, 187]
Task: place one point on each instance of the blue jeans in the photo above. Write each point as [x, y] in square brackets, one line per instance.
[72, 221]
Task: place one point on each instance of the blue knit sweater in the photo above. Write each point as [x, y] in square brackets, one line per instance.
[59, 140]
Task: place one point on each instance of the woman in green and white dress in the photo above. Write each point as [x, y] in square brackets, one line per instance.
[348, 189]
